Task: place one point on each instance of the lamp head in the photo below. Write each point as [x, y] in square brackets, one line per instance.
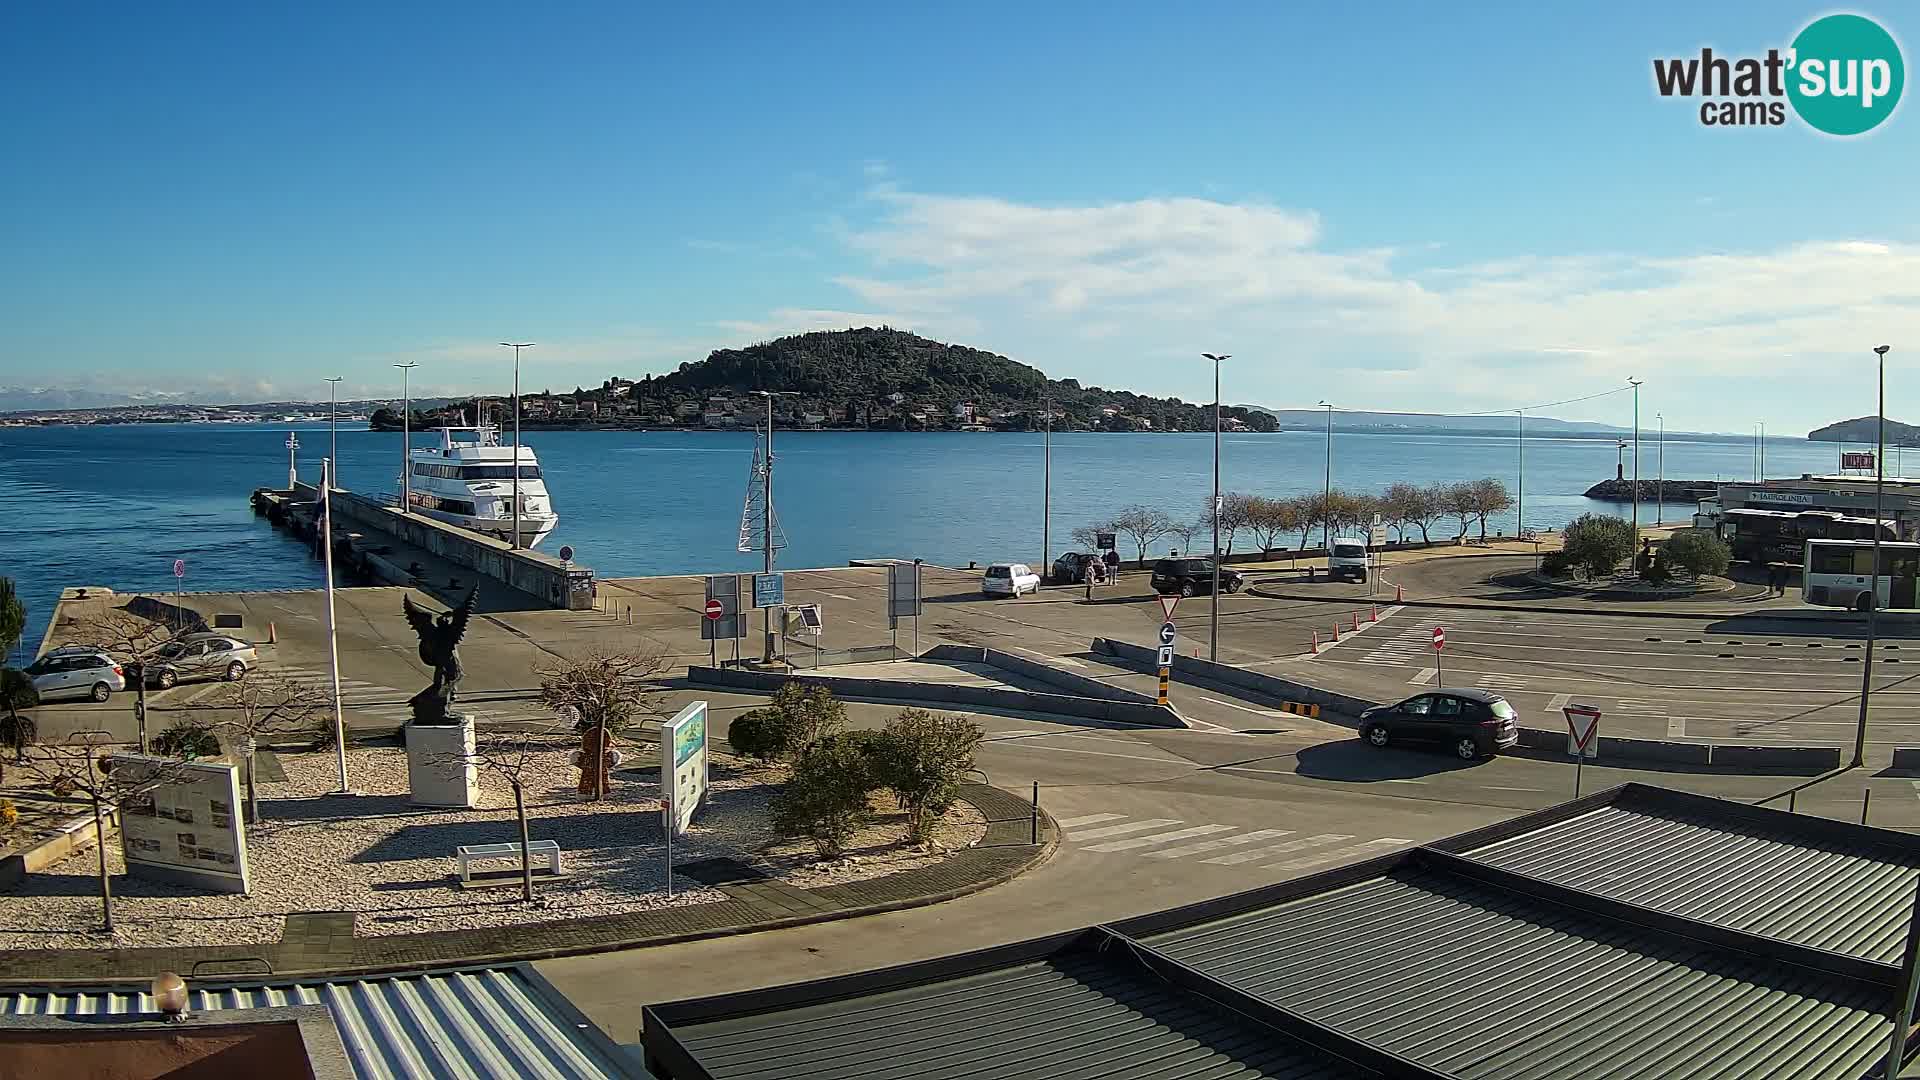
[1882, 349]
[170, 995]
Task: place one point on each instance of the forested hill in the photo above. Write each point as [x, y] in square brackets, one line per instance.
[891, 374]
[1864, 429]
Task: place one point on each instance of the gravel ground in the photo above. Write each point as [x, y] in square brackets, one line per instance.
[393, 864]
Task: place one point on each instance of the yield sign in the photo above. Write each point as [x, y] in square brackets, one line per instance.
[1583, 730]
[1167, 604]
[1439, 639]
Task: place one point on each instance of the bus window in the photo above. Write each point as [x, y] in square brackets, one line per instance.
[1832, 560]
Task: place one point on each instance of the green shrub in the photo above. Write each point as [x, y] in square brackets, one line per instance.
[1598, 543]
[827, 797]
[187, 739]
[756, 734]
[804, 714]
[1557, 564]
[921, 758]
[1698, 553]
[1659, 572]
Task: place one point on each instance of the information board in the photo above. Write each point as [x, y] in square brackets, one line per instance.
[683, 766]
[769, 590]
[187, 830]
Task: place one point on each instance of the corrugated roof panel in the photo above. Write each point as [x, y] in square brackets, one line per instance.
[1492, 985]
[1076, 1016]
[452, 1024]
[1854, 901]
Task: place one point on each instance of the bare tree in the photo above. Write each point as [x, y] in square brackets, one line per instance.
[604, 691]
[1234, 516]
[510, 756]
[79, 767]
[1313, 514]
[1088, 536]
[127, 638]
[1142, 525]
[1268, 518]
[263, 704]
[1460, 502]
[1490, 496]
[1185, 531]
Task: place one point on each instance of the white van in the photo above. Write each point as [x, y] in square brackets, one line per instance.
[1009, 579]
[1348, 560]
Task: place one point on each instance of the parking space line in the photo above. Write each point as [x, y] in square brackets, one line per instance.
[1088, 819]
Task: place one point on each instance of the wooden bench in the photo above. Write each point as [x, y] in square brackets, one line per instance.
[538, 851]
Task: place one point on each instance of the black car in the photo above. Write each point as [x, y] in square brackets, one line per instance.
[1071, 568]
[1471, 723]
[1191, 577]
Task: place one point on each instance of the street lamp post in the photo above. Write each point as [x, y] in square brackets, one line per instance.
[333, 637]
[1660, 495]
[1046, 492]
[1326, 490]
[406, 438]
[1873, 602]
[1520, 507]
[293, 471]
[766, 513]
[333, 430]
[1635, 383]
[1763, 451]
[1213, 624]
[516, 434]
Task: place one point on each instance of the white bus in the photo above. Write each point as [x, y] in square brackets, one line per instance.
[1839, 573]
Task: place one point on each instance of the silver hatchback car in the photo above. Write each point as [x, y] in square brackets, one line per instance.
[199, 656]
[76, 672]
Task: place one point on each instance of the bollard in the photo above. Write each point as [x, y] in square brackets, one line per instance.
[1866, 798]
[1316, 641]
[270, 635]
[1375, 613]
[1036, 812]
[1790, 796]
[1356, 622]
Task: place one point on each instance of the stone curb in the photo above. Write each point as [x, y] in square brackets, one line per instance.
[982, 796]
[1720, 612]
[915, 692]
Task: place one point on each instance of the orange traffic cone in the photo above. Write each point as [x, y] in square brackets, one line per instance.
[1376, 613]
[1356, 622]
[1396, 594]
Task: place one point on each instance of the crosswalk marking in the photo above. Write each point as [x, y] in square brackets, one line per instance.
[1253, 837]
[1239, 857]
[1161, 838]
[1122, 830]
[1089, 819]
[1353, 852]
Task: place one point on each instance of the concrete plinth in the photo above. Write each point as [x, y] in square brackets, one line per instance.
[435, 774]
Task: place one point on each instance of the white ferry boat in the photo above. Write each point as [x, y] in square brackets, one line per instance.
[468, 481]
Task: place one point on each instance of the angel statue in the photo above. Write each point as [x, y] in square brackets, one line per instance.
[440, 650]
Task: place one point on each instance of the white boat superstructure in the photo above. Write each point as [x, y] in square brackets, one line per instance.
[468, 481]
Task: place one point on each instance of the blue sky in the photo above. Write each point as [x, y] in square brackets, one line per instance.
[1411, 207]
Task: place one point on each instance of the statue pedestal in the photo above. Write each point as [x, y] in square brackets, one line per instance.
[435, 773]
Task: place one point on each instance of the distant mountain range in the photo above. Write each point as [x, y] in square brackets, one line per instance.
[1865, 429]
[46, 399]
[1434, 423]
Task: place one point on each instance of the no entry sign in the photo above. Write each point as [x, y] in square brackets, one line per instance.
[1439, 639]
[715, 609]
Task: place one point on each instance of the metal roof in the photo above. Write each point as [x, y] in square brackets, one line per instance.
[1769, 875]
[490, 1022]
[1479, 982]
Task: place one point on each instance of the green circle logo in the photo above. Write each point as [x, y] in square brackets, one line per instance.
[1846, 74]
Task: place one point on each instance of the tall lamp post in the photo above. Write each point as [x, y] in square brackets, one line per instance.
[1213, 624]
[1520, 503]
[1635, 383]
[333, 637]
[516, 434]
[333, 431]
[406, 438]
[1873, 603]
[1660, 492]
[1326, 490]
[1046, 492]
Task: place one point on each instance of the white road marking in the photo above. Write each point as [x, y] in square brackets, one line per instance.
[1559, 701]
[1027, 744]
[1421, 677]
[1329, 856]
[1242, 708]
[1239, 857]
[1162, 838]
[1496, 787]
[1253, 837]
[1916, 789]
[1121, 830]
[836, 595]
[1676, 727]
[1088, 819]
[1422, 782]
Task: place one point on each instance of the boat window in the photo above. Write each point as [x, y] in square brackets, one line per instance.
[499, 472]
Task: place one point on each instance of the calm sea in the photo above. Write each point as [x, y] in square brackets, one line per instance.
[117, 505]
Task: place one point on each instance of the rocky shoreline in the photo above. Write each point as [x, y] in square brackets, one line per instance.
[1676, 490]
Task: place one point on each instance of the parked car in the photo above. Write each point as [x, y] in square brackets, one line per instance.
[198, 656]
[1009, 579]
[76, 672]
[1471, 723]
[1071, 568]
[1190, 577]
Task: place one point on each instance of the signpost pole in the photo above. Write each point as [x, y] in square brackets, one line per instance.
[1579, 762]
[916, 607]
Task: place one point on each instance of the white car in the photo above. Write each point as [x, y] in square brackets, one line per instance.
[1009, 579]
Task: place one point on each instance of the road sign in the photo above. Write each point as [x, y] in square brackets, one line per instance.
[1439, 639]
[566, 552]
[1377, 536]
[1103, 541]
[715, 609]
[1583, 731]
[1167, 604]
[1166, 635]
[903, 593]
[723, 589]
[179, 568]
[1166, 656]
[769, 590]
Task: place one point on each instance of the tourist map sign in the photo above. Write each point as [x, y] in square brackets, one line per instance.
[187, 829]
[769, 590]
[683, 766]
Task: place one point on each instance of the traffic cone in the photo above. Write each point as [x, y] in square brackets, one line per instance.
[1336, 631]
[1396, 594]
[1376, 613]
[270, 634]
[1356, 622]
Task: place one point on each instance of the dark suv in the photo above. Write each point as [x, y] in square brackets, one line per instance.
[1190, 577]
[1471, 723]
[1071, 568]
